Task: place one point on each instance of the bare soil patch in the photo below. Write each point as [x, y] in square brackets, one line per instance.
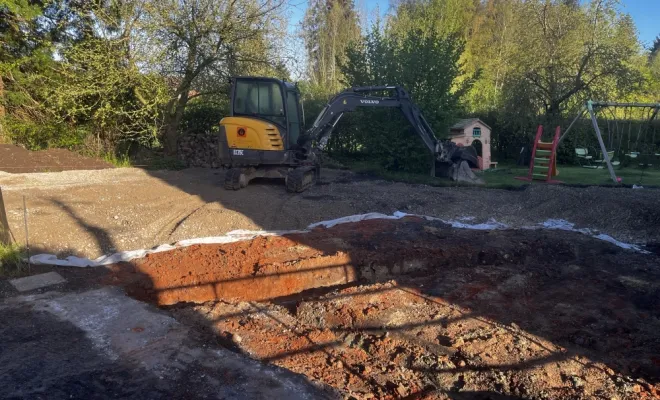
[15, 159]
[420, 310]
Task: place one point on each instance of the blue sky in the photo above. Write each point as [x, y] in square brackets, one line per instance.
[646, 14]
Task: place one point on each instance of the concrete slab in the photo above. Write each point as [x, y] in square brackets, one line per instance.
[141, 349]
[37, 281]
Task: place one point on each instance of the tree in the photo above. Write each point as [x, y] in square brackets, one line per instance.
[574, 50]
[443, 17]
[329, 26]
[428, 67]
[489, 50]
[655, 48]
[18, 41]
[103, 90]
[197, 39]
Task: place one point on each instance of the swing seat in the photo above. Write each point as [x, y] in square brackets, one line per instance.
[610, 155]
[584, 159]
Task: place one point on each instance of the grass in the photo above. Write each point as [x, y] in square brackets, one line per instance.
[119, 161]
[575, 175]
[165, 163]
[11, 259]
[152, 162]
[503, 177]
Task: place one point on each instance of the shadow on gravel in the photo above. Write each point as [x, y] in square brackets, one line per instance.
[103, 240]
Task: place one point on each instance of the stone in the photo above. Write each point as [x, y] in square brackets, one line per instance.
[199, 149]
[37, 281]
[236, 338]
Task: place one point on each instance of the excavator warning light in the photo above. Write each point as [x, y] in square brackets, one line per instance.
[241, 132]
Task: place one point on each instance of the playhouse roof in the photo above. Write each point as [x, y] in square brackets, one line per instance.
[460, 125]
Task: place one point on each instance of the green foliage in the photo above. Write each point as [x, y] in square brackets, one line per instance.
[327, 29]
[443, 18]
[113, 99]
[36, 135]
[118, 160]
[425, 64]
[11, 259]
[202, 117]
[106, 76]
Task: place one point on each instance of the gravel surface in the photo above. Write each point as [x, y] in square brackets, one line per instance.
[90, 213]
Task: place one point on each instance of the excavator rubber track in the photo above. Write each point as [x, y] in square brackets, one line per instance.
[300, 179]
[235, 179]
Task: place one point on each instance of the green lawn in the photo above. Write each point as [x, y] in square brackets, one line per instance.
[575, 175]
[503, 176]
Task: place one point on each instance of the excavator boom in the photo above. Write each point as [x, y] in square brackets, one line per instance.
[445, 152]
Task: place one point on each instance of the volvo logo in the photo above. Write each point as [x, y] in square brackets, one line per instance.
[369, 101]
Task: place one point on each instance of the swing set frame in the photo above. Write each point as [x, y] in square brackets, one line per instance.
[590, 107]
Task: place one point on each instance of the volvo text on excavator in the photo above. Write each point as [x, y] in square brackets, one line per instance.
[264, 135]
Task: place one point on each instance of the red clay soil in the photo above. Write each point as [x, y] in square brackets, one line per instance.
[425, 311]
[261, 269]
[16, 160]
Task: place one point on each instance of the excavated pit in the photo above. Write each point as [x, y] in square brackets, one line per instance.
[415, 309]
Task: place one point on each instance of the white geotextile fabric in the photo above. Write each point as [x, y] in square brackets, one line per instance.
[568, 226]
[241, 234]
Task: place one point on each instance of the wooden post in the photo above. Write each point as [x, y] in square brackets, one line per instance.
[5, 237]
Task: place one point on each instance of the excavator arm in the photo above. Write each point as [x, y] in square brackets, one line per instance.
[445, 153]
[350, 99]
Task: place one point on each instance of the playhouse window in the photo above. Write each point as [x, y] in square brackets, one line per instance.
[476, 132]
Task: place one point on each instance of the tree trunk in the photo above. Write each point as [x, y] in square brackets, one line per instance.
[5, 237]
[2, 109]
[173, 120]
[2, 98]
[553, 117]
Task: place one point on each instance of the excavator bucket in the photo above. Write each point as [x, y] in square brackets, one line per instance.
[462, 172]
[459, 166]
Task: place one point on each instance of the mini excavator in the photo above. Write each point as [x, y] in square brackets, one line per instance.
[264, 135]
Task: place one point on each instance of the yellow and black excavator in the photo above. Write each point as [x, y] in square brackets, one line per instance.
[265, 137]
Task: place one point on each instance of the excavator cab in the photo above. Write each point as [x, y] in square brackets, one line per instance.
[259, 138]
[265, 116]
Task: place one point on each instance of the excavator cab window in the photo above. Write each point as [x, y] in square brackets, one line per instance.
[262, 99]
[294, 116]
